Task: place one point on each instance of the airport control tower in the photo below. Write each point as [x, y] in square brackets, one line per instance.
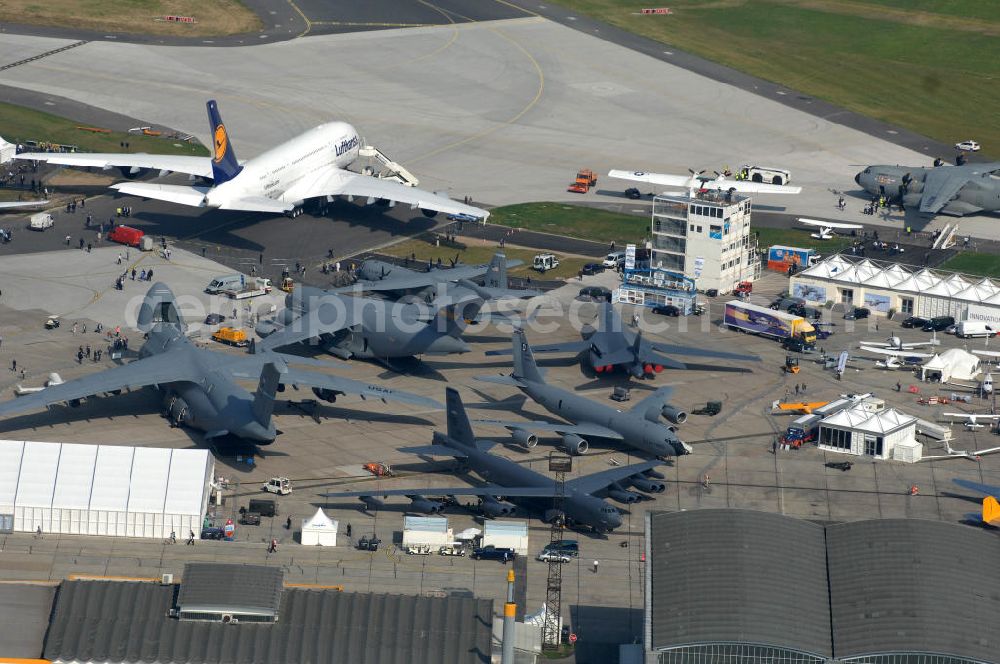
[706, 237]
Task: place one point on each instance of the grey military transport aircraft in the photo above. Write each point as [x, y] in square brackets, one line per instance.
[639, 427]
[582, 502]
[612, 346]
[199, 386]
[379, 276]
[954, 190]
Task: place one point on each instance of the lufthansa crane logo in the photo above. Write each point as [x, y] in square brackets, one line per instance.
[221, 142]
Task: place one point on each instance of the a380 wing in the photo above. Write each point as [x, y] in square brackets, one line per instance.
[348, 386]
[200, 166]
[513, 492]
[338, 182]
[156, 370]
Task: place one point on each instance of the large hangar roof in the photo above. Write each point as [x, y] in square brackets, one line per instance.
[914, 585]
[738, 575]
[114, 621]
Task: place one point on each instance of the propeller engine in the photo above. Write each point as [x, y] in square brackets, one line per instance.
[421, 504]
[574, 444]
[493, 508]
[524, 439]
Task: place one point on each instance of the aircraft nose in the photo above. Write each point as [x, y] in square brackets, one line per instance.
[256, 432]
[447, 345]
[857, 178]
[614, 520]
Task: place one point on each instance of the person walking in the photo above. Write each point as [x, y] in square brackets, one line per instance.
[288, 523]
[596, 563]
[190, 541]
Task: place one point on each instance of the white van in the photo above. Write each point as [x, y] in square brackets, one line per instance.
[974, 328]
[40, 221]
[614, 259]
[229, 282]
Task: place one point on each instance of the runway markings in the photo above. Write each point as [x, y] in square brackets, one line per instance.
[369, 24]
[42, 55]
[520, 8]
[304, 18]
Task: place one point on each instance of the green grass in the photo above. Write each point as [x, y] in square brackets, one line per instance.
[576, 221]
[975, 263]
[569, 266]
[19, 124]
[936, 71]
[793, 237]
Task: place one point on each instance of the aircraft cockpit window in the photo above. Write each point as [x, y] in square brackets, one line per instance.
[165, 313]
[868, 171]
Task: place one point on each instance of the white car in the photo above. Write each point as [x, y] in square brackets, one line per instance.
[967, 146]
[553, 556]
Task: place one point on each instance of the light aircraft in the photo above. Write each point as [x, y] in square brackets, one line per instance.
[611, 345]
[895, 343]
[306, 168]
[54, 379]
[972, 419]
[697, 181]
[906, 356]
[804, 408]
[20, 205]
[826, 229]
[639, 427]
[990, 515]
[954, 190]
[952, 453]
[582, 504]
[199, 385]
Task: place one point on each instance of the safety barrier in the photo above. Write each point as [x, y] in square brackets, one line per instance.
[657, 10]
[180, 19]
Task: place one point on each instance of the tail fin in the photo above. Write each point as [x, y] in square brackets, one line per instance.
[524, 362]
[496, 274]
[267, 388]
[991, 511]
[459, 427]
[159, 307]
[224, 163]
[610, 320]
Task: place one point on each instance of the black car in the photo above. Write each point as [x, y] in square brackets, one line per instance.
[593, 268]
[368, 544]
[214, 319]
[493, 553]
[667, 310]
[806, 312]
[796, 345]
[595, 293]
[857, 313]
[914, 321]
[633, 193]
[212, 534]
[938, 324]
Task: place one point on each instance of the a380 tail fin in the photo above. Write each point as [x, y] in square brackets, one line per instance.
[524, 362]
[224, 163]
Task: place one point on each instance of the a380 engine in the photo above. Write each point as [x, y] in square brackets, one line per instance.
[574, 444]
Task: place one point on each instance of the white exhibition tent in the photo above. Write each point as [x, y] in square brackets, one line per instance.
[7, 151]
[103, 490]
[319, 530]
[954, 363]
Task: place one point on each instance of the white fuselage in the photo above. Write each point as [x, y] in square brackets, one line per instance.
[275, 173]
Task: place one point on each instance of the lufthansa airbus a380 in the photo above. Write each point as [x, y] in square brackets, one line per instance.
[310, 166]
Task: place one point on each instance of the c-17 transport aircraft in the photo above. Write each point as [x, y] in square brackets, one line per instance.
[639, 427]
[510, 480]
[310, 166]
[612, 346]
[199, 385]
[954, 190]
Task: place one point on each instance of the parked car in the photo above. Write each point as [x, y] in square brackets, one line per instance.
[812, 313]
[249, 518]
[593, 268]
[548, 556]
[785, 303]
[633, 193]
[212, 534]
[569, 547]
[967, 146]
[263, 507]
[595, 294]
[614, 259]
[796, 345]
[857, 313]
[667, 310]
[914, 322]
[493, 553]
[938, 324]
[214, 319]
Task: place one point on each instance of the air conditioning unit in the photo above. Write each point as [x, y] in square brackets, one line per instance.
[167, 580]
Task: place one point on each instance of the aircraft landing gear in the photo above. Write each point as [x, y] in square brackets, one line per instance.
[294, 212]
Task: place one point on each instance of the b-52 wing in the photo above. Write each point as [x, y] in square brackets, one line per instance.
[581, 429]
[155, 370]
[332, 181]
[200, 166]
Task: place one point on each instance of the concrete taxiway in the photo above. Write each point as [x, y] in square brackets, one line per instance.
[324, 450]
[499, 110]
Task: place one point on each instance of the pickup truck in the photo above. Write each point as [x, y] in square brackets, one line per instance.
[250, 288]
[493, 553]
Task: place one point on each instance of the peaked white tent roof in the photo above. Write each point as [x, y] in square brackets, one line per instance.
[953, 363]
[859, 419]
[319, 520]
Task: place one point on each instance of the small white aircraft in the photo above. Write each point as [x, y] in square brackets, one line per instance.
[826, 228]
[54, 379]
[308, 167]
[695, 181]
[952, 453]
[895, 343]
[899, 354]
[972, 419]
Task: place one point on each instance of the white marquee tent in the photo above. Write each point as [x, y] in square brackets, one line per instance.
[102, 489]
[320, 530]
[954, 363]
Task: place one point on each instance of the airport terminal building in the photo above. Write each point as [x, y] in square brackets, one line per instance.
[881, 287]
[732, 586]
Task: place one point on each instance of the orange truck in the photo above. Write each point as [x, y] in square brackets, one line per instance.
[585, 179]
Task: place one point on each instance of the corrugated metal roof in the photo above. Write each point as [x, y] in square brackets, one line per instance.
[738, 575]
[24, 615]
[914, 585]
[498, 527]
[426, 524]
[227, 588]
[103, 621]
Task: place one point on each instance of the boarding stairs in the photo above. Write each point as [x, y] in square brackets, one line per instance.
[386, 169]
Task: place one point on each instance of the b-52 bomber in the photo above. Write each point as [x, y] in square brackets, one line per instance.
[954, 190]
[199, 385]
[639, 427]
[612, 346]
[582, 504]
